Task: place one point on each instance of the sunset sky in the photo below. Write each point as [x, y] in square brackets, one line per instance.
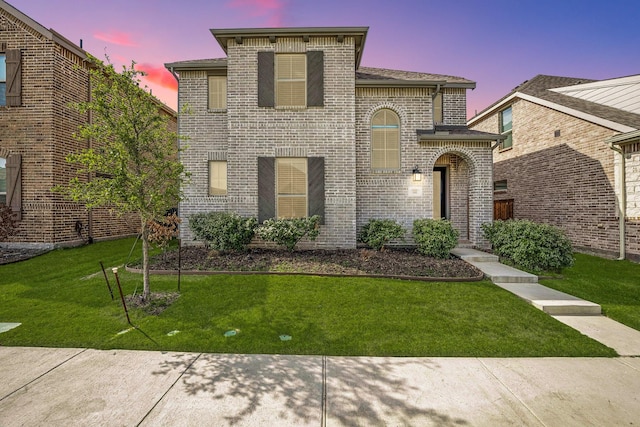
[498, 44]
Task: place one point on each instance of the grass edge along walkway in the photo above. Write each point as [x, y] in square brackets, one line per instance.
[61, 300]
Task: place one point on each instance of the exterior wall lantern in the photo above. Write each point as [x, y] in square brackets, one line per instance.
[417, 174]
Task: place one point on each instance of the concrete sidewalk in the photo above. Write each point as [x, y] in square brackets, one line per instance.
[79, 387]
[584, 316]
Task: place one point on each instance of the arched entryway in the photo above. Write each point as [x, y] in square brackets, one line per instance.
[451, 191]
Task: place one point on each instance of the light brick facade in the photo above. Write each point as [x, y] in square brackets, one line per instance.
[40, 131]
[339, 132]
[560, 171]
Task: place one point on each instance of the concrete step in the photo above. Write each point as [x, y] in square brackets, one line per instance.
[469, 255]
[550, 301]
[503, 273]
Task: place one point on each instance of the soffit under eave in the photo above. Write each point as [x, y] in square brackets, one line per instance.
[223, 36]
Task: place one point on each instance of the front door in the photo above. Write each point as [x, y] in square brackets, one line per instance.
[439, 192]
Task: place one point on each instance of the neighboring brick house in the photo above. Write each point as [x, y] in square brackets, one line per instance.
[41, 72]
[557, 164]
[290, 125]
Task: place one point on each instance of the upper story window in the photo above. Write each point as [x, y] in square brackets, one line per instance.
[291, 79]
[11, 78]
[3, 79]
[438, 108]
[3, 180]
[506, 128]
[385, 140]
[217, 92]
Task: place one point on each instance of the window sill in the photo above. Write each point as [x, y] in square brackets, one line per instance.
[217, 110]
[290, 107]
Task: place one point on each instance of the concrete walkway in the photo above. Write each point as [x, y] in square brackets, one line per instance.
[585, 316]
[80, 387]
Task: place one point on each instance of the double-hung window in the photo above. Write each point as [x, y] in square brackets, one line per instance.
[506, 125]
[385, 140]
[217, 178]
[3, 181]
[3, 79]
[217, 92]
[291, 80]
[291, 188]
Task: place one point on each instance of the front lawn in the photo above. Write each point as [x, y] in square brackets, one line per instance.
[62, 300]
[615, 285]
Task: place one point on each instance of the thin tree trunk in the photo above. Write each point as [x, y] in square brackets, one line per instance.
[145, 263]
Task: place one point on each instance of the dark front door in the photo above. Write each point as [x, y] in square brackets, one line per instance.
[439, 192]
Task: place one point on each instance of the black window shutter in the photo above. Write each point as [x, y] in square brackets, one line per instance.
[14, 78]
[315, 167]
[315, 78]
[14, 184]
[266, 188]
[266, 84]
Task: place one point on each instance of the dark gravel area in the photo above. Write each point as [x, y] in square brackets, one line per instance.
[391, 262]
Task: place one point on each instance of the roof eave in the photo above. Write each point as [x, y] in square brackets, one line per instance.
[359, 33]
[412, 83]
[178, 66]
[624, 138]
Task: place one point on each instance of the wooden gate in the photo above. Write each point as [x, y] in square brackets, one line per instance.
[503, 209]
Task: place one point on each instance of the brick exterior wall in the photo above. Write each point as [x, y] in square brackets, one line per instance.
[41, 130]
[339, 132]
[566, 180]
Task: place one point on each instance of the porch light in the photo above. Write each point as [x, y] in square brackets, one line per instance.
[417, 174]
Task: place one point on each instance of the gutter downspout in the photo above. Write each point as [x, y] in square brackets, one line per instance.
[622, 201]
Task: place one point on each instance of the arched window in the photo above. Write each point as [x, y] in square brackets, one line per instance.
[385, 140]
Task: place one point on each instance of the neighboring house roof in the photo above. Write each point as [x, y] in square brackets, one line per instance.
[367, 76]
[48, 33]
[622, 93]
[555, 92]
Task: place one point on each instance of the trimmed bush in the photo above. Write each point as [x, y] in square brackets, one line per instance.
[529, 245]
[223, 231]
[288, 232]
[434, 237]
[378, 232]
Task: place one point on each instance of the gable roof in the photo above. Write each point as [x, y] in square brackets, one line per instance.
[383, 77]
[48, 33]
[540, 90]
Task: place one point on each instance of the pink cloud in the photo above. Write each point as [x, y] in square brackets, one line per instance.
[116, 37]
[158, 75]
[273, 9]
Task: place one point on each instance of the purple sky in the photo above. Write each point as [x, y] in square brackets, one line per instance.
[497, 43]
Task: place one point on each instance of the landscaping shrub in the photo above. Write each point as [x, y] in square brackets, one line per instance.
[223, 231]
[378, 232]
[288, 232]
[434, 237]
[532, 246]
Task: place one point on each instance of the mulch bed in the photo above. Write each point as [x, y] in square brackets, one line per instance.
[391, 262]
[10, 255]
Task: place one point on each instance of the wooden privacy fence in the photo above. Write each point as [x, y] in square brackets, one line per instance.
[503, 209]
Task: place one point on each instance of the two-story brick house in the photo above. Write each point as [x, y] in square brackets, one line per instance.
[41, 73]
[290, 125]
[571, 158]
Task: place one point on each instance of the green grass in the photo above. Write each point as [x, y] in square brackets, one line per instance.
[615, 285]
[62, 300]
